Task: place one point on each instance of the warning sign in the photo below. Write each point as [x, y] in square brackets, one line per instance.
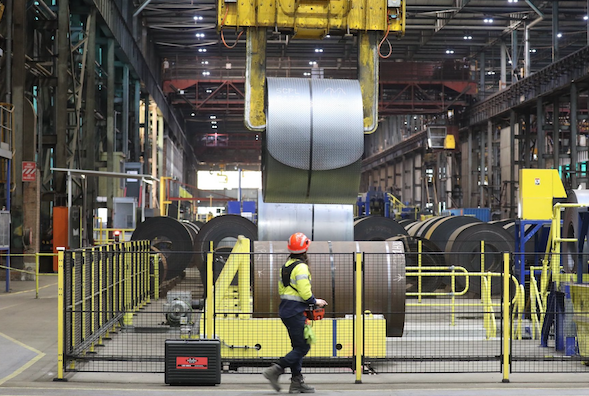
[199, 363]
[29, 171]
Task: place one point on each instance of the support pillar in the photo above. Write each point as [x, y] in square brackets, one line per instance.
[61, 100]
[503, 81]
[125, 113]
[110, 125]
[491, 184]
[541, 134]
[512, 122]
[556, 132]
[514, 57]
[574, 131]
[135, 129]
[469, 171]
[482, 76]
[526, 142]
[555, 29]
[89, 135]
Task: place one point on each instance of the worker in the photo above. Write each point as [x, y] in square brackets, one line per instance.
[296, 296]
[165, 66]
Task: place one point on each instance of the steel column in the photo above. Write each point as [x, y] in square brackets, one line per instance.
[469, 172]
[89, 122]
[541, 139]
[526, 142]
[110, 124]
[574, 131]
[514, 60]
[482, 173]
[512, 122]
[482, 75]
[125, 112]
[135, 130]
[503, 52]
[556, 132]
[555, 28]
[490, 163]
[61, 99]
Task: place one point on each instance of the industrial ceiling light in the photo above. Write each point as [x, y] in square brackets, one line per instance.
[202, 50]
[306, 74]
[318, 49]
[449, 51]
[197, 18]
[200, 35]
[467, 37]
[559, 35]
[212, 117]
[312, 63]
[512, 1]
[586, 17]
[488, 20]
[206, 73]
[192, 114]
[533, 50]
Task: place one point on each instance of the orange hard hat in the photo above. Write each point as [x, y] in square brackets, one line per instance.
[298, 243]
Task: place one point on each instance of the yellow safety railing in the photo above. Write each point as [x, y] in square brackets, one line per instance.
[36, 272]
[104, 235]
[397, 206]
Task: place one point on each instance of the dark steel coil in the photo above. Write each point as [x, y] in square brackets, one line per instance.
[464, 250]
[222, 231]
[414, 228]
[430, 257]
[377, 228]
[571, 228]
[172, 238]
[439, 231]
[332, 268]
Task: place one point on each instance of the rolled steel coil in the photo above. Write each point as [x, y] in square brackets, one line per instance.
[314, 141]
[439, 231]
[407, 222]
[430, 257]
[332, 268]
[464, 250]
[222, 231]
[501, 223]
[172, 238]
[377, 228]
[529, 248]
[571, 228]
[415, 228]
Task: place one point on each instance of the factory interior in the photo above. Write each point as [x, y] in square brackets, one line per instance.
[156, 156]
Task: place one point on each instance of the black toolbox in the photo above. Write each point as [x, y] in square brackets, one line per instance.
[193, 362]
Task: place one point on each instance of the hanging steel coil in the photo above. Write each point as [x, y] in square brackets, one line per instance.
[429, 256]
[332, 268]
[377, 228]
[571, 228]
[464, 250]
[222, 232]
[172, 238]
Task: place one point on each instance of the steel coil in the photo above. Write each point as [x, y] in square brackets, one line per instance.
[571, 228]
[415, 228]
[172, 238]
[222, 231]
[332, 268]
[377, 228]
[464, 250]
[430, 257]
[439, 231]
[314, 141]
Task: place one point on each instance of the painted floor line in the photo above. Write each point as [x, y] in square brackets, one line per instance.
[26, 365]
[28, 291]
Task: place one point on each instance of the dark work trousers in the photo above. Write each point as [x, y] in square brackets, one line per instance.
[296, 331]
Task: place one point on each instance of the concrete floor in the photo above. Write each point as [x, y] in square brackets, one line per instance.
[28, 363]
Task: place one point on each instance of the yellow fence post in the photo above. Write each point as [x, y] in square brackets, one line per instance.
[482, 267]
[210, 304]
[36, 275]
[156, 275]
[60, 313]
[506, 318]
[359, 341]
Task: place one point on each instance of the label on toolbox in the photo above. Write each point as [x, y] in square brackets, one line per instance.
[190, 362]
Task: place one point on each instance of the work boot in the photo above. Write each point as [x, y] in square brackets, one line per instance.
[297, 385]
[272, 374]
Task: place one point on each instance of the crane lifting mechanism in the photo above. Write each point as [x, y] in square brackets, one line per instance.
[313, 132]
[371, 20]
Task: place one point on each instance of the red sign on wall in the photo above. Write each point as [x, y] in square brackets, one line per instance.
[29, 171]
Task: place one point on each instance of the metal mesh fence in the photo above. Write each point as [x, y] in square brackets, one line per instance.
[551, 324]
[420, 313]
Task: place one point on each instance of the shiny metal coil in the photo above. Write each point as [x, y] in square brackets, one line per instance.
[332, 268]
[314, 141]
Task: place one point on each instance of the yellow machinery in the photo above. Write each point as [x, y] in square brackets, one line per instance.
[243, 336]
[538, 188]
[373, 21]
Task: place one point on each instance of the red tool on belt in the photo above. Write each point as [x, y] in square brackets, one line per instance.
[314, 313]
